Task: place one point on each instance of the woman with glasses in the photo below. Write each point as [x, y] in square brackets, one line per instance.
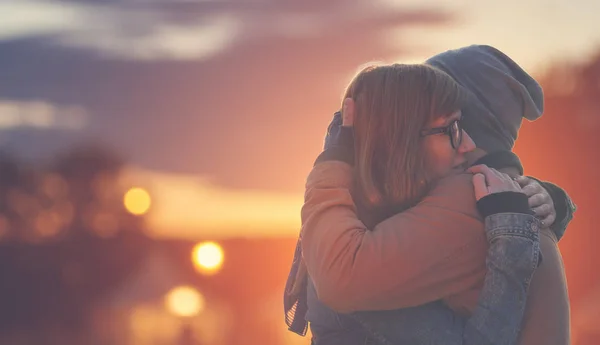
[402, 148]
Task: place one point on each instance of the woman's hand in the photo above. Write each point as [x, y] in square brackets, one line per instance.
[488, 181]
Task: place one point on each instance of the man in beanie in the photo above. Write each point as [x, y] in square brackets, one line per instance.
[501, 94]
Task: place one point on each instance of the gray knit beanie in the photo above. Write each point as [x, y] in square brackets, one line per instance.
[501, 93]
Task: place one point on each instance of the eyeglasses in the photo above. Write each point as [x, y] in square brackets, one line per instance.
[453, 130]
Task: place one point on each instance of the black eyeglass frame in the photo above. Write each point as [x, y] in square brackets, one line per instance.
[454, 128]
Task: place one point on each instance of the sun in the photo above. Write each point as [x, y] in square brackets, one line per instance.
[137, 201]
[208, 257]
[185, 301]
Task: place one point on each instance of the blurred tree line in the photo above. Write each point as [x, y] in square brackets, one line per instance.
[66, 238]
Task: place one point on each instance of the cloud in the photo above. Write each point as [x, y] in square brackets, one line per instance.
[119, 31]
[40, 114]
[24, 18]
[159, 40]
[188, 30]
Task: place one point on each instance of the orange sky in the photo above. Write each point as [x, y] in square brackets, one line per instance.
[190, 206]
[262, 82]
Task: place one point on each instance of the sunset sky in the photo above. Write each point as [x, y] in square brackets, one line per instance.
[221, 106]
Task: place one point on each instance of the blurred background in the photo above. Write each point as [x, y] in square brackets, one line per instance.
[153, 152]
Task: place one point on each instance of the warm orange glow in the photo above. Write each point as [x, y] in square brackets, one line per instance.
[208, 257]
[185, 301]
[137, 201]
[54, 186]
[104, 224]
[47, 224]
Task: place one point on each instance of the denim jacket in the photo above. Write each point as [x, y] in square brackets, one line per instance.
[512, 258]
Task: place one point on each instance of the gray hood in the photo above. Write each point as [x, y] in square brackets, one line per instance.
[501, 94]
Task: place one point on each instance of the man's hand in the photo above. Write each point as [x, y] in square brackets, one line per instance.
[540, 200]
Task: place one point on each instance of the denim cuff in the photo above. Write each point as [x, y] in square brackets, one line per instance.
[513, 225]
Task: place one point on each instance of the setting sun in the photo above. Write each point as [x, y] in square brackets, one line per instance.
[137, 201]
[208, 257]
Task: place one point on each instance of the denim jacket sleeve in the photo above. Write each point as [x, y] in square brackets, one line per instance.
[512, 258]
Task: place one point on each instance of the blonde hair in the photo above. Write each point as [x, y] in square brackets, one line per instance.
[393, 104]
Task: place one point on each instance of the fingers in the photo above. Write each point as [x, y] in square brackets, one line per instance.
[546, 214]
[497, 182]
[542, 211]
[538, 199]
[483, 169]
[524, 180]
[532, 188]
[549, 220]
[348, 112]
[535, 192]
[480, 186]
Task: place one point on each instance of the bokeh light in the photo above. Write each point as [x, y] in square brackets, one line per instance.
[208, 257]
[104, 224]
[47, 224]
[185, 301]
[137, 201]
[54, 186]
